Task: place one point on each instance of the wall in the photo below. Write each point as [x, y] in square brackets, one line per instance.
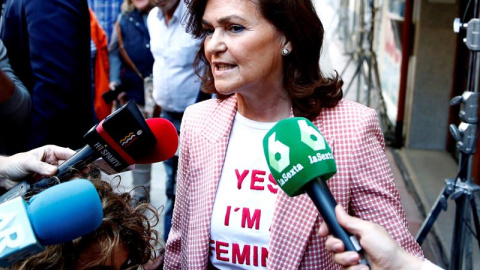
[429, 90]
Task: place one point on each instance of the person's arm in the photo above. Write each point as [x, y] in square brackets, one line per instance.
[374, 195]
[114, 58]
[42, 160]
[382, 251]
[15, 101]
[59, 42]
[7, 88]
[178, 232]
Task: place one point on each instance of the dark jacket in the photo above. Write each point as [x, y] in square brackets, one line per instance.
[48, 44]
[136, 42]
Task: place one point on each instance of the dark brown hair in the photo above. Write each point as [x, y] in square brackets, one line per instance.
[123, 225]
[307, 87]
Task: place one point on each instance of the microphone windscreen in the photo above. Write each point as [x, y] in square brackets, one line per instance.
[65, 211]
[167, 141]
[296, 154]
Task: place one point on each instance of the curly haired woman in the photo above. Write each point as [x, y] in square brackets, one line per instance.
[126, 238]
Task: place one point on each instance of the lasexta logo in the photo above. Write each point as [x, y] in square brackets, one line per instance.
[310, 136]
[278, 154]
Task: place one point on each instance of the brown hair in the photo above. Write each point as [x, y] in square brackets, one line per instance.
[307, 87]
[123, 226]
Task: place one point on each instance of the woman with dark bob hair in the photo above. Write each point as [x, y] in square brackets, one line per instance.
[261, 60]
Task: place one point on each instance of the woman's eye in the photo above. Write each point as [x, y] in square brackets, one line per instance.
[207, 31]
[236, 28]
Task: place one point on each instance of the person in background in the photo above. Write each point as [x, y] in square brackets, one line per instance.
[382, 251]
[106, 12]
[48, 45]
[15, 100]
[100, 67]
[131, 62]
[175, 84]
[261, 60]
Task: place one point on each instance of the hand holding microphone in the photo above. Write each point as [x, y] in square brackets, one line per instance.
[382, 250]
[300, 160]
[122, 139]
[57, 215]
[41, 161]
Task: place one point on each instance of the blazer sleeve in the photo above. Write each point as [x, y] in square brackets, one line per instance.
[178, 231]
[373, 191]
[59, 48]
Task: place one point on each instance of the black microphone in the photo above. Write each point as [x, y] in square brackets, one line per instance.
[301, 161]
[122, 139]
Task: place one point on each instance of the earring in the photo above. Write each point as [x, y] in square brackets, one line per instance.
[285, 52]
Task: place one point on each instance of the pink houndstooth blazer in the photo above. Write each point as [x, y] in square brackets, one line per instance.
[363, 184]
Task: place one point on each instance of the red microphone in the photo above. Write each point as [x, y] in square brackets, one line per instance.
[166, 145]
[122, 139]
[167, 141]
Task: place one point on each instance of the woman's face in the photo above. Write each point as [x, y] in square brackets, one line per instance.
[242, 47]
[141, 4]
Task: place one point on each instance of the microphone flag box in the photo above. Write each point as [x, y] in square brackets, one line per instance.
[296, 153]
[17, 239]
[122, 137]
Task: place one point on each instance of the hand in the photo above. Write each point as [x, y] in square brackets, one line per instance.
[382, 251]
[113, 85]
[43, 160]
[122, 98]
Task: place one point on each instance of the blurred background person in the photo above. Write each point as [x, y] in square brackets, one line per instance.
[106, 12]
[131, 62]
[99, 67]
[48, 45]
[175, 84]
[15, 100]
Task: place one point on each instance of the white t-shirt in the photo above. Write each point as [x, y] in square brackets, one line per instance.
[427, 265]
[243, 209]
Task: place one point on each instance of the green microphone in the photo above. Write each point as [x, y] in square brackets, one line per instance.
[301, 161]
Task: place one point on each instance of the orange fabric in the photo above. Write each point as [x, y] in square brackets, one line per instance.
[101, 73]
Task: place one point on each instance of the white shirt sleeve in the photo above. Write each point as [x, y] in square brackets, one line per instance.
[427, 265]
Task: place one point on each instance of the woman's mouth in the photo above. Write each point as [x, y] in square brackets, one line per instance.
[223, 67]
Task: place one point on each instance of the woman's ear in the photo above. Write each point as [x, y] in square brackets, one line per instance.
[287, 45]
[287, 48]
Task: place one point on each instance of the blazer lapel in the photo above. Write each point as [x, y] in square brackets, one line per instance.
[215, 135]
[218, 127]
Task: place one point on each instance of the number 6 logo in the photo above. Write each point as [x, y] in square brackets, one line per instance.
[278, 154]
[310, 136]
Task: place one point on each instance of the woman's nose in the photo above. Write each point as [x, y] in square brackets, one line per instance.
[216, 42]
